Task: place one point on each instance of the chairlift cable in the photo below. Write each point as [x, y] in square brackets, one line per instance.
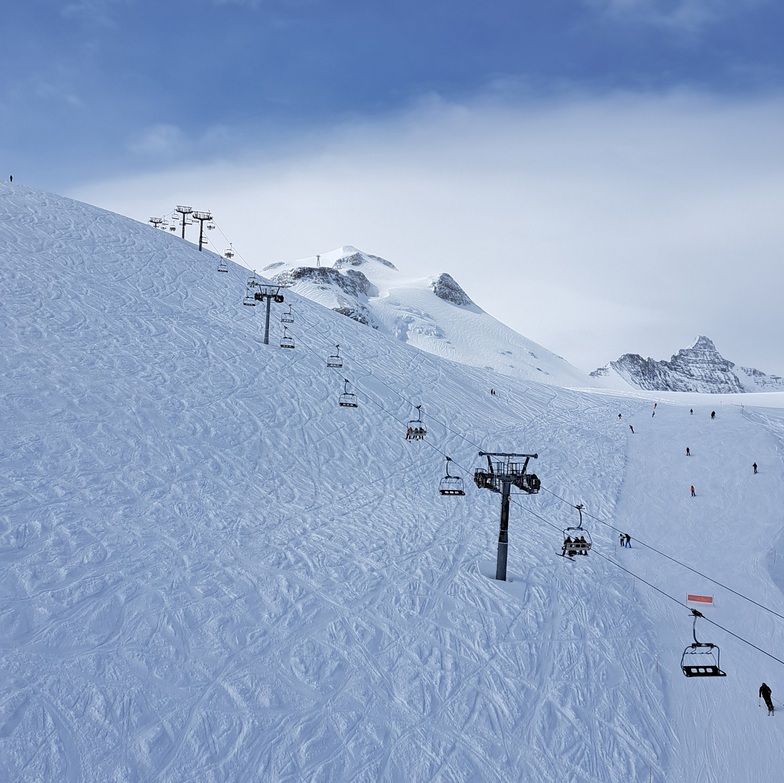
[597, 519]
[676, 561]
[556, 495]
[658, 589]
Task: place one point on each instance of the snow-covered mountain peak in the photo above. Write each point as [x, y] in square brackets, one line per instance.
[352, 258]
[432, 313]
[344, 257]
[703, 343]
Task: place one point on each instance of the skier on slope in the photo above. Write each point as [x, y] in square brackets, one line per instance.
[765, 693]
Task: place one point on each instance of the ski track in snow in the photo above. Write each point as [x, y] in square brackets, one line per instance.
[211, 572]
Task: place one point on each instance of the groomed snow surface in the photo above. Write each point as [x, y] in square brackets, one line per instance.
[209, 571]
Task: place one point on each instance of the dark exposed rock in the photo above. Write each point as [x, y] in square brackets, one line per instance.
[353, 282]
[357, 259]
[447, 289]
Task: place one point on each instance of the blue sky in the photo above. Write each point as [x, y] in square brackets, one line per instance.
[420, 107]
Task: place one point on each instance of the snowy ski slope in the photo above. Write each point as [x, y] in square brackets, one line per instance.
[209, 571]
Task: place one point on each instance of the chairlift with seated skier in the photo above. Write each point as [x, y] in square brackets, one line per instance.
[451, 485]
[701, 659]
[250, 297]
[577, 540]
[416, 427]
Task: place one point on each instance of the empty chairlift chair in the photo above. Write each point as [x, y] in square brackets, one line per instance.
[347, 399]
[416, 427]
[577, 540]
[451, 485]
[701, 659]
[335, 359]
[287, 341]
[287, 317]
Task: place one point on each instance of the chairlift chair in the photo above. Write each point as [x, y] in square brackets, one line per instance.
[451, 485]
[335, 359]
[229, 252]
[577, 540]
[287, 317]
[223, 266]
[416, 427]
[701, 659]
[287, 341]
[347, 399]
[251, 296]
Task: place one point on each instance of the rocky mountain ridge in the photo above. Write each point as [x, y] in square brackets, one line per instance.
[698, 368]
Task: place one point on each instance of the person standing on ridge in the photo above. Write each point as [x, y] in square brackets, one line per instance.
[765, 693]
[688, 453]
[755, 467]
[693, 493]
[713, 414]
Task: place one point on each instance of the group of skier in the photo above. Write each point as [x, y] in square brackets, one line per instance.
[765, 692]
[688, 450]
[576, 546]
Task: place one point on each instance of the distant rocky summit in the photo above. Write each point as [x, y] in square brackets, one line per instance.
[447, 289]
[700, 368]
